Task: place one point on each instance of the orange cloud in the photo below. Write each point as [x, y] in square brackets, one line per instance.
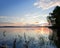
[12, 24]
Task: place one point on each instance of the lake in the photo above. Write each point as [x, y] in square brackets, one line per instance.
[26, 37]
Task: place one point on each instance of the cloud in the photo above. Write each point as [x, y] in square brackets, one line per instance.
[9, 19]
[46, 4]
[32, 15]
[35, 17]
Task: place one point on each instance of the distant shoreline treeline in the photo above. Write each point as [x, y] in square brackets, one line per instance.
[23, 26]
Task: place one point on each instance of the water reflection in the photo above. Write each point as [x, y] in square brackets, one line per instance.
[27, 37]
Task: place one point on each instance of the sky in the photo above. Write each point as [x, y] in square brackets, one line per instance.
[26, 12]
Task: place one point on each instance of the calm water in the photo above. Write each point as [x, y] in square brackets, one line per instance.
[36, 37]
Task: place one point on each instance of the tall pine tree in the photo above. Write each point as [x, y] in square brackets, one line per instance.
[54, 18]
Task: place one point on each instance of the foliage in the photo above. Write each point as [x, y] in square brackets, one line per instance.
[54, 19]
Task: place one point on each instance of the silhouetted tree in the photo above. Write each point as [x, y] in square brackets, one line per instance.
[54, 18]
